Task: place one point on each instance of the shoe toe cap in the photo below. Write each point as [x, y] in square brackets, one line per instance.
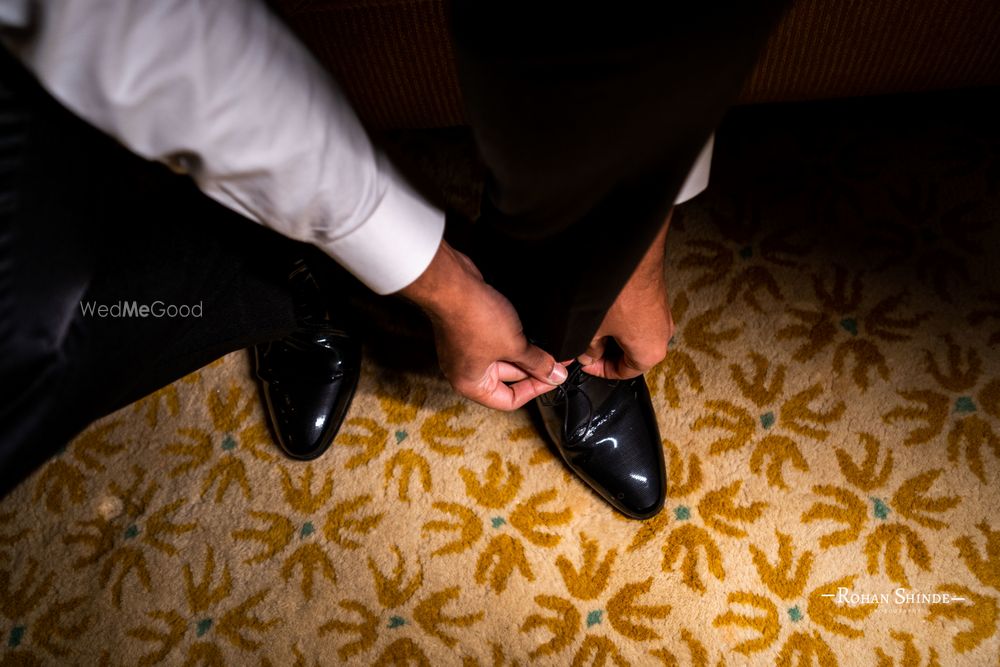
[623, 459]
[631, 476]
[306, 419]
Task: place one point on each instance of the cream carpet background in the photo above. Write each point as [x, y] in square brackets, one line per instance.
[831, 418]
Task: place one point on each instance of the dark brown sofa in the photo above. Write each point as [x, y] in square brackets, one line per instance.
[394, 57]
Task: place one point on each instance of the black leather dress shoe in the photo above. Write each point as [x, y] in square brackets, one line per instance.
[606, 432]
[308, 378]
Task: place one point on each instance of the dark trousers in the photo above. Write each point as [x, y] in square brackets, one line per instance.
[83, 221]
[588, 121]
[587, 127]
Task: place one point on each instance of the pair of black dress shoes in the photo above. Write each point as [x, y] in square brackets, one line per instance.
[605, 431]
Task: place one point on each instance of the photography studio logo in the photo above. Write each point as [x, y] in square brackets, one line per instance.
[125, 309]
[899, 599]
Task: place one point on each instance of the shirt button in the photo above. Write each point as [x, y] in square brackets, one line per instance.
[183, 162]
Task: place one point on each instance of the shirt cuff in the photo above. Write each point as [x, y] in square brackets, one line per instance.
[697, 178]
[396, 244]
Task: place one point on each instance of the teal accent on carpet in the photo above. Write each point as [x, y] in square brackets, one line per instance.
[203, 626]
[880, 509]
[964, 404]
[16, 635]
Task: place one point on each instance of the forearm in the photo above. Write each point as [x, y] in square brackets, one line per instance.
[440, 286]
[649, 271]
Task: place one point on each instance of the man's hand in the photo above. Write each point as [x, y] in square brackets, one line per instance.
[639, 321]
[480, 343]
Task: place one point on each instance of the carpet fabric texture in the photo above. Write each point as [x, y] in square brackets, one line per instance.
[830, 410]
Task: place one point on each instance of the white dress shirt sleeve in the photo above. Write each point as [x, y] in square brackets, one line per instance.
[222, 90]
[697, 178]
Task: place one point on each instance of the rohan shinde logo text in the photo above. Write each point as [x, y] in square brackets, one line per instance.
[898, 596]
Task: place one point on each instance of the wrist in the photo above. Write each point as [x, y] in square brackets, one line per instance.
[436, 289]
[650, 270]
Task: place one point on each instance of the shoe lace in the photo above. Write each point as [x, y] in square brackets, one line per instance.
[311, 311]
[573, 381]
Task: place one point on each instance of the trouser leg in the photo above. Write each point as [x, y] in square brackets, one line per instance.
[84, 221]
[588, 124]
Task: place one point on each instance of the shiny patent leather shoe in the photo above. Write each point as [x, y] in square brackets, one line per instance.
[308, 378]
[606, 432]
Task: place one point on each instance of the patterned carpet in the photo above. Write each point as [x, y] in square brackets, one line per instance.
[831, 418]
